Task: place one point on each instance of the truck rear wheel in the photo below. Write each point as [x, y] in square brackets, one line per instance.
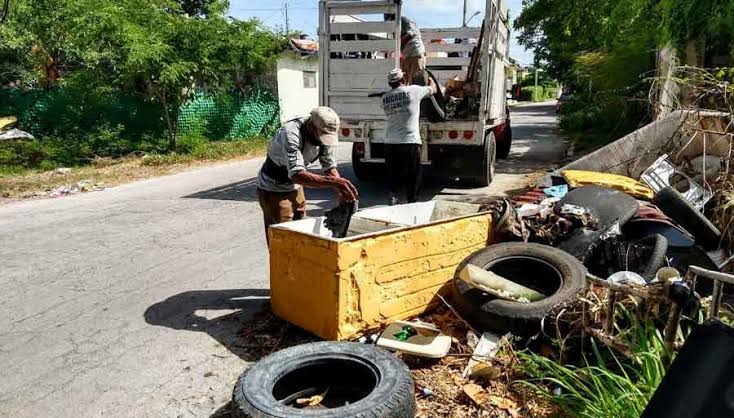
[365, 171]
[489, 156]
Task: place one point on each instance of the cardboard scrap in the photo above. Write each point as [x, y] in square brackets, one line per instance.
[476, 393]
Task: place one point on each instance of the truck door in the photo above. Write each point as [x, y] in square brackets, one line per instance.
[358, 47]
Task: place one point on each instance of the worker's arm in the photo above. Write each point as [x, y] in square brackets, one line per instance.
[332, 172]
[346, 190]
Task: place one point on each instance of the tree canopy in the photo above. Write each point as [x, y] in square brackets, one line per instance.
[160, 50]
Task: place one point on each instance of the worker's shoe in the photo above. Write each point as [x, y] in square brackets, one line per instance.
[393, 200]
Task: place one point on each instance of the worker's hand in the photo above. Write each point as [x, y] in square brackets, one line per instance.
[346, 190]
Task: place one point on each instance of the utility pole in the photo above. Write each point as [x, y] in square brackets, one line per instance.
[463, 16]
[287, 23]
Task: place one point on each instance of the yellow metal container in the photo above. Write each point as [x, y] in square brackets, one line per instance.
[338, 288]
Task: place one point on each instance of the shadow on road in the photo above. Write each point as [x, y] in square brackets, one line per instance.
[239, 319]
[243, 191]
[247, 328]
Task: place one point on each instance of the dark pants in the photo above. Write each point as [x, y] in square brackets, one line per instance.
[404, 168]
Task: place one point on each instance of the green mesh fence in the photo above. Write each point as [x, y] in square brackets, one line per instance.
[229, 116]
[63, 111]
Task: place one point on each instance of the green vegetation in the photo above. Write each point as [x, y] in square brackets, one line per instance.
[608, 386]
[604, 52]
[538, 94]
[95, 79]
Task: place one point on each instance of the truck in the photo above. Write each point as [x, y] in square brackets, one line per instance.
[359, 43]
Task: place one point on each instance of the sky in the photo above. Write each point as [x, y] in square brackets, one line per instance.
[303, 15]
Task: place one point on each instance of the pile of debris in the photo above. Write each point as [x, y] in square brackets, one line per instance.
[588, 254]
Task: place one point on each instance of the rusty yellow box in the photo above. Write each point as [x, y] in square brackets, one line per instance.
[389, 266]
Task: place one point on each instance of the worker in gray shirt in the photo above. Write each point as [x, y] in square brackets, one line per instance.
[282, 177]
[402, 137]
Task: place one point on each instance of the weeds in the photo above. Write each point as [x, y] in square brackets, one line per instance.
[605, 385]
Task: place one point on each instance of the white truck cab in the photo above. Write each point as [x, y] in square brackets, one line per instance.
[358, 47]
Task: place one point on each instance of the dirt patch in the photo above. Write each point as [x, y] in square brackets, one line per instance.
[104, 172]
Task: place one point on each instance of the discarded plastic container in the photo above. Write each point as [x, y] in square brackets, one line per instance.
[389, 267]
[416, 338]
[667, 274]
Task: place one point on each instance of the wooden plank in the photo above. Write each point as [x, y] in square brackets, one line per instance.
[368, 82]
[449, 33]
[361, 66]
[449, 47]
[355, 46]
[364, 27]
[360, 8]
[443, 75]
[357, 107]
[458, 62]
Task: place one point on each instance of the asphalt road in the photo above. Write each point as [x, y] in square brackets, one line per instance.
[128, 302]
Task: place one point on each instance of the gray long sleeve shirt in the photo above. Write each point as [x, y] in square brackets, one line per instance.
[288, 148]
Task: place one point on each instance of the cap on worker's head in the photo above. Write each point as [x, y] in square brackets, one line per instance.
[326, 122]
[395, 75]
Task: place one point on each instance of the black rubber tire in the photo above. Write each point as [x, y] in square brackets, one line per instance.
[503, 148]
[677, 207]
[657, 258]
[488, 159]
[392, 396]
[497, 315]
[365, 171]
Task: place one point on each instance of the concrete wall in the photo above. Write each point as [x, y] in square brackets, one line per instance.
[295, 99]
[680, 134]
[632, 154]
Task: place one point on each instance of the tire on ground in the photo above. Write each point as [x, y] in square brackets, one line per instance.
[680, 210]
[362, 381]
[548, 270]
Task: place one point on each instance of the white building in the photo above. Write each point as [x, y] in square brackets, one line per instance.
[298, 78]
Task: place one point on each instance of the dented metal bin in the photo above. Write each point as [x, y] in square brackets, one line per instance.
[389, 267]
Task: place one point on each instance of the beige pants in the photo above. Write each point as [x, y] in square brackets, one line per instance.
[279, 207]
[412, 67]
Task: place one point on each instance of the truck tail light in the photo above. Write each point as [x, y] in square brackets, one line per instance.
[468, 135]
[345, 132]
[359, 147]
[453, 134]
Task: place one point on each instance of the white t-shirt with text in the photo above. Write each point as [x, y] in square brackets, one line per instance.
[402, 107]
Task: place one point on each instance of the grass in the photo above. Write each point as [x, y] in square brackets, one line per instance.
[18, 182]
[604, 386]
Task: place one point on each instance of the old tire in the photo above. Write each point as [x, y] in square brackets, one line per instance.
[488, 158]
[677, 207]
[363, 381]
[365, 171]
[657, 259]
[548, 270]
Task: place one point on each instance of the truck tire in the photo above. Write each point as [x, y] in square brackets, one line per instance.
[362, 381]
[488, 158]
[503, 137]
[365, 171]
[548, 270]
[677, 207]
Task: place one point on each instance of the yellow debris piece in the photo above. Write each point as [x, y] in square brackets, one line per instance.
[578, 178]
[7, 121]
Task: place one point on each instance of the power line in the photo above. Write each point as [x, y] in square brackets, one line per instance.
[272, 9]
